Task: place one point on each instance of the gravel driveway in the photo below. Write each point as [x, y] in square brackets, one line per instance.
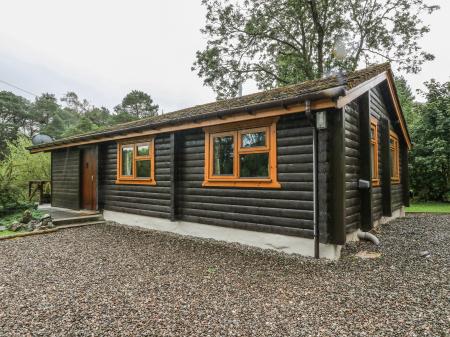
[114, 280]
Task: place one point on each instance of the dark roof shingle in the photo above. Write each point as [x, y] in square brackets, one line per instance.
[349, 80]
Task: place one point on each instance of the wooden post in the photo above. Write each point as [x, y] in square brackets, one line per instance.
[404, 174]
[172, 177]
[41, 191]
[365, 161]
[51, 178]
[385, 148]
[337, 176]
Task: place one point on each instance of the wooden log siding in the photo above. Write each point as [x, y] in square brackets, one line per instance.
[379, 109]
[288, 210]
[138, 199]
[66, 178]
[352, 168]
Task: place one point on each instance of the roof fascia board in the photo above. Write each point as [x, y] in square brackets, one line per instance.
[398, 109]
[242, 116]
[357, 91]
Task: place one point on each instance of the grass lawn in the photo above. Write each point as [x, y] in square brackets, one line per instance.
[7, 232]
[429, 207]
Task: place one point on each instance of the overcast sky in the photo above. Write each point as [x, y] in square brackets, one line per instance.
[104, 49]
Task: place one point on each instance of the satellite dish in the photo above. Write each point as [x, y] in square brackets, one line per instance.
[41, 139]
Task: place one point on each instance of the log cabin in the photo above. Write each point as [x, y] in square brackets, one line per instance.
[301, 168]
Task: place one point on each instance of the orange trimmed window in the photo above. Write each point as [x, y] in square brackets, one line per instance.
[136, 163]
[395, 157]
[242, 154]
[374, 151]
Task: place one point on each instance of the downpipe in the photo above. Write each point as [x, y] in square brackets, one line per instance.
[368, 237]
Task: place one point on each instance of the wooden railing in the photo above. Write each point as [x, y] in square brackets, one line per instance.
[39, 185]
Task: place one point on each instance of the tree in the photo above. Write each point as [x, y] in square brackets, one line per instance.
[137, 104]
[83, 125]
[99, 116]
[407, 101]
[42, 111]
[74, 103]
[430, 156]
[286, 41]
[13, 116]
[24, 167]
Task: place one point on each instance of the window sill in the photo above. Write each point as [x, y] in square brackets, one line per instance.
[135, 182]
[242, 183]
[375, 182]
[395, 181]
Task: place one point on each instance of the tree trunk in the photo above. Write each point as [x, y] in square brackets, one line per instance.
[320, 37]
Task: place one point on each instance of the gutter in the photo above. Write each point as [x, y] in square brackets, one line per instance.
[331, 93]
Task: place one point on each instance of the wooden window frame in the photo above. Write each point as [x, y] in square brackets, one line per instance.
[374, 149]
[395, 160]
[237, 130]
[133, 179]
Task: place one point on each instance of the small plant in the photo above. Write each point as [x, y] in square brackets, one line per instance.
[7, 220]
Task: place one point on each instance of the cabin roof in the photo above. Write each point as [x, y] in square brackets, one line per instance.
[347, 81]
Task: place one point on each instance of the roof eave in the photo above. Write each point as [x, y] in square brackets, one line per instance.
[329, 93]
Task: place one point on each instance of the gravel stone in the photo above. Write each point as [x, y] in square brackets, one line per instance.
[113, 280]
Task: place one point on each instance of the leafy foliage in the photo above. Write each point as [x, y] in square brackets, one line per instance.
[15, 217]
[18, 168]
[137, 104]
[20, 119]
[13, 112]
[10, 193]
[429, 125]
[18, 116]
[288, 41]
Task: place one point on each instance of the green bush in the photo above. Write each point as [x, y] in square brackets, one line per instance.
[430, 156]
[18, 167]
[10, 194]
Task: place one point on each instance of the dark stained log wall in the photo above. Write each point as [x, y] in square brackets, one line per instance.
[66, 178]
[138, 199]
[288, 210]
[324, 149]
[365, 168]
[352, 168]
[380, 108]
[336, 202]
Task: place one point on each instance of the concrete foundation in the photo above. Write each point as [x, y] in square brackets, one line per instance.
[398, 213]
[281, 243]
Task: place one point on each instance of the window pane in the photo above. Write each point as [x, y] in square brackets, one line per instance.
[254, 165]
[143, 150]
[223, 155]
[143, 168]
[372, 133]
[253, 139]
[127, 161]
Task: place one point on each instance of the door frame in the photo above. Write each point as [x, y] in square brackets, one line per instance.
[96, 187]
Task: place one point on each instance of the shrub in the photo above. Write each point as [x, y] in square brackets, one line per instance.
[17, 169]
